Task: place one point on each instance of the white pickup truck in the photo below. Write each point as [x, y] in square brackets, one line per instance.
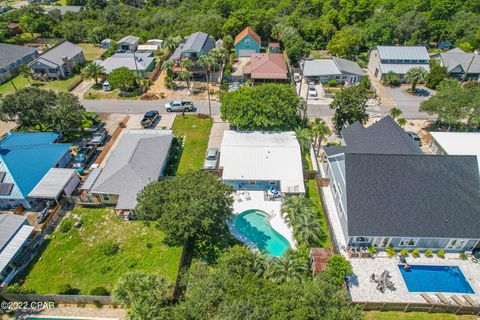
[179, 106]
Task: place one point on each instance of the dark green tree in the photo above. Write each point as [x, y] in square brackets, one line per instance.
[350, 106]
[122, 78]
[66, 113]
[337, 269]
[436, 75]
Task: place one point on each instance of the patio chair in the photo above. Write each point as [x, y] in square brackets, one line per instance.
[470, 300]
[247, 196]
[458, 300]
[442, 298]
[427, 298]
[373, 278]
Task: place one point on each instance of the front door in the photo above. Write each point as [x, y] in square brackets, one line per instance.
[381, 242]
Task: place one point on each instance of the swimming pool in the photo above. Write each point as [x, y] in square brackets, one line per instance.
[255, 226]
[435, 279]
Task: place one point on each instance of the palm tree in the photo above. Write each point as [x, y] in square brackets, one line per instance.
[304, 137]
[93, 71]
[171, 43]
[294, 207]
[320, 129]
[258, 263]
[206, 63]
[185, 74]
[395, 113]
[402, 122]
[307, 230]
[415, 75]
[286, 269]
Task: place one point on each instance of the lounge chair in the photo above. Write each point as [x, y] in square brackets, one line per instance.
[470, 300]
[442, 298]
[427, 298]
[458, 300]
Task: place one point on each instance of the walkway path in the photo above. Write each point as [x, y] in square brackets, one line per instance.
[83, 87]
[216, 133]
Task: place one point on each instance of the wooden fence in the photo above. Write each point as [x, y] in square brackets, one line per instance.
[418, 307]
[57, 298]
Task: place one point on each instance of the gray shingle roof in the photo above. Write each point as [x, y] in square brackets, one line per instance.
[54, 55]
[10, 53]
[137, 160]
[320, 67]
[144, 60]
[403, 52]
[385, 136]
[413, 195]
[129, 40]
[9, 225]
[456, 57]
[199, 41]
[348, 66]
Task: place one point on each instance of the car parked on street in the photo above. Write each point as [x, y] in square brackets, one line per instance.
[84, 155]
[211, 158]
[415, 137]
[150, 118]
[179, 106]
[98, 138]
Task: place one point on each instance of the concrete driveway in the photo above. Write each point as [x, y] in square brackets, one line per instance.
[407, 102]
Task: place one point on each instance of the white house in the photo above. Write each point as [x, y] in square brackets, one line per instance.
[338, 69]
[456, 143]
[261, 160]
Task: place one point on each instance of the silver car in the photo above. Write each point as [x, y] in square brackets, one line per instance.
[211, 158]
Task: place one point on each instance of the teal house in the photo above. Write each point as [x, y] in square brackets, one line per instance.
[247, 43]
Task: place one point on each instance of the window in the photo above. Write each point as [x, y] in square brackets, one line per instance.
[456, 244]
[339, 190]
[272, 183]
[408, 242]
[252, 182]
[106, 197]
[362, 239]
[247, 42]
[341, 210]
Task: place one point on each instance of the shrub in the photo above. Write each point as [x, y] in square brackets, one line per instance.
[149, 245]
[97, 304]
[332, 83]
[415, 253]
[441, 254]
[66, 225]
[428, 253]
[463, 255]
[99, 291]
[372, 250]
[390, 251]
[67, 289]
[404, 252]
[391, 79]
[108, 248]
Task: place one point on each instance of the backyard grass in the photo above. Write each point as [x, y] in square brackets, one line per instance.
[313, 193]
[392, 315]
[75, 257]
[20, 83]
[196, 130]
[90, 51]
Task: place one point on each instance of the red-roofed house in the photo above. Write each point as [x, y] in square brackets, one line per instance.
[266, 67]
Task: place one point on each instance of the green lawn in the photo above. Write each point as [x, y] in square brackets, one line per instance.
[196, 131]
[90, 51]
[313, 193]
[20, 83]
[74, 257]
[376, 315]
[99, 94]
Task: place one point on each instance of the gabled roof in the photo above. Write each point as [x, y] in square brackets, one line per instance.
[247, 31]
[385, 137]
[10, 53]
[28, 156]
[403, 52]
[457, 57]
[137, 160]
[129, 40]
[267, 66]
[53, 56]
[197, 42]
[348, 66]
[328, 67]
[118, 60]
[412, 195]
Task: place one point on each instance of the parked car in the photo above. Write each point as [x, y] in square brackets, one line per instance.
[179, 106]
[98, 138]
[296, 77]
[415, 137]
[83, 156]
[312, 91]
[211, 158]
[150, 118]
[235, 86]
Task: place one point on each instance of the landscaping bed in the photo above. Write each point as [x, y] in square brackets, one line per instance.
[313, 193]
[98, 253]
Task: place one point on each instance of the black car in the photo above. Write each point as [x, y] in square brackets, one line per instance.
[83, 156]
[150, 118]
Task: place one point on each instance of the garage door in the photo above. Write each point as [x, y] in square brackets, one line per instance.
[245, 53]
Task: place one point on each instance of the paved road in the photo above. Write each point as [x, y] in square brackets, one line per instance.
[142, 106]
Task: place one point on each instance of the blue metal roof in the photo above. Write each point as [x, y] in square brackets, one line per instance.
[28, 156]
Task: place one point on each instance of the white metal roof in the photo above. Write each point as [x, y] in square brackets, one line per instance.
[459, 143]
[400, 68]
[403, 52]
[14, 245]
[147, 47]
[52, 183]
[267, 156]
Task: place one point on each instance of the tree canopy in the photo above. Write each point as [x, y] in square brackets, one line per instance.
[265, 107]
[122, 78]
[350, 106]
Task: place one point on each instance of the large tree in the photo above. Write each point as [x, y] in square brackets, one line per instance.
[191, 209]
[67, 112]
[122, 78]
[346, 42]
[350, 106]
[265, 107]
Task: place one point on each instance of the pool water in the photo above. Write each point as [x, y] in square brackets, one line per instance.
[435, 279]
[254, 225]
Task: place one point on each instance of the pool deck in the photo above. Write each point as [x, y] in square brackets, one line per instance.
[363, 290]
[257, 201]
